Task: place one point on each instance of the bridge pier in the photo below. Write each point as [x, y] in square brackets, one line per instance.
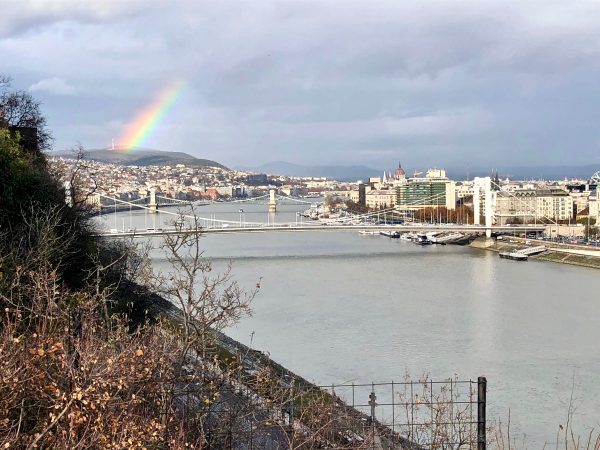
[484, 184]
[272, 201]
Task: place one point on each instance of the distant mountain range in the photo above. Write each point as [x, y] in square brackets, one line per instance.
[531, 172]
[361, 172]
[341, 173]
[145, 157]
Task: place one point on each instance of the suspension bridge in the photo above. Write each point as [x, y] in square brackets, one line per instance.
[154, 201]
[187, 221]
[290, 227]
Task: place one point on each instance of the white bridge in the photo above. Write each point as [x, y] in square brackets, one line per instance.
[152, 202]
[190, 223]
[291, 227]
[347, 223]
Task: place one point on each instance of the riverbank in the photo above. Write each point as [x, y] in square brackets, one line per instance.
[288, 403]
[558, 253]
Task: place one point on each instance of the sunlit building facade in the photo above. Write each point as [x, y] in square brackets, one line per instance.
[434, 190]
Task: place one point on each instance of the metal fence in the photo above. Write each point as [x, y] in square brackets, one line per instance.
[414, 415]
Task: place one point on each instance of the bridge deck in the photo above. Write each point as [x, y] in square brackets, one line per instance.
[292, 228]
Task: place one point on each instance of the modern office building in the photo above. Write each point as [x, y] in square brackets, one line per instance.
[433, 190]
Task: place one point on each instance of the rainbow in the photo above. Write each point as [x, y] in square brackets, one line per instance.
[148, 119]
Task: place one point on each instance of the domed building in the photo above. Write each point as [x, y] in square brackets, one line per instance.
[400, 174]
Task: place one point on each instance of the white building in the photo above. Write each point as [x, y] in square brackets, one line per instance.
[594, 204]
[376, 199]
[533, 205]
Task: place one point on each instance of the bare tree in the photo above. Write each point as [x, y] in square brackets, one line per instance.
[71, 377]
[20, 109]
[81, 181]
[207, 301]
[4, 81]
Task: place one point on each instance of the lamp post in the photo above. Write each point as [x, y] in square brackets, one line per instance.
[587, 234]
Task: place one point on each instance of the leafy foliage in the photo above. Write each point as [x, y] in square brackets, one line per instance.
[23, 178]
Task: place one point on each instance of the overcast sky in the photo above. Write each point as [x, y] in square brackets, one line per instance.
[447, 83]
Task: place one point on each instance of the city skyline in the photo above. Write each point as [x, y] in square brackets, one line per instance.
[314, 81]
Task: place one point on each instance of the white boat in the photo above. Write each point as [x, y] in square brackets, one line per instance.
[422, 240]
[408, 236]
[368, 233]
[445, 238]
[515, 256]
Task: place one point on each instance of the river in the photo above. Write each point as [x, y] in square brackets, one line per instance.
[339, 307]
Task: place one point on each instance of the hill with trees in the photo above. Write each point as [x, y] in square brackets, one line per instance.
[145, 157]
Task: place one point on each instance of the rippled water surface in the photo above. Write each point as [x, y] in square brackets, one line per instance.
[337, 307]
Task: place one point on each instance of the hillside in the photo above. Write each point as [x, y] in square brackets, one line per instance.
[146, 157]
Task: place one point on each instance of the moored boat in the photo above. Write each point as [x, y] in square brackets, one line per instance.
[444, 238]
[515, 256]
[422, 239]
[423, 242]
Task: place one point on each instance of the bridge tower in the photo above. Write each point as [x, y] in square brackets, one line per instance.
[272, 201]
[485, 185]
[152, 205]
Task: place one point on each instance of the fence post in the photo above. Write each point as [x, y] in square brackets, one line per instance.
[292, 407]
[373, 404]
[481, 392]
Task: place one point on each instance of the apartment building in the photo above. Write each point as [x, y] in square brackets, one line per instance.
[377, 199]
[533, 204]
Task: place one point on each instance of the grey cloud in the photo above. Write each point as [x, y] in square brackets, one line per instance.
[330, 80]
[54, 85]
[19, 16]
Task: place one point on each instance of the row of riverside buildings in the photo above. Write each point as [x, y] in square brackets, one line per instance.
[397, 190]
[512, 201]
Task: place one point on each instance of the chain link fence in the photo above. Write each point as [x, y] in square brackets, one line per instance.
[415, 415]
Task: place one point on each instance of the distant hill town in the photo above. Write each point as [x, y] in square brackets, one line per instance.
[145, 157]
